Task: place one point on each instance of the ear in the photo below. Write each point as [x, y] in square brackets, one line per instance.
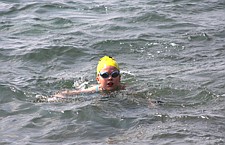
[97, 79]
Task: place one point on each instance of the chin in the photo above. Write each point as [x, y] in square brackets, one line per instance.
[110, 89]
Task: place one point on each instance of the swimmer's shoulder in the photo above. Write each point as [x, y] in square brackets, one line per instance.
[92, 88]
[122, 87]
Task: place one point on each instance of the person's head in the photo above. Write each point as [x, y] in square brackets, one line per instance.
[108, 73]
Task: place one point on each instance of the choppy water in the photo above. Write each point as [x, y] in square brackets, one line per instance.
[168, 50]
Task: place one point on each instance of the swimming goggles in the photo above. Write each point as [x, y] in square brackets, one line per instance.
[106, 74]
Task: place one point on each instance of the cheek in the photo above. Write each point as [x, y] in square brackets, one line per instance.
[101, 80]
[117, 80]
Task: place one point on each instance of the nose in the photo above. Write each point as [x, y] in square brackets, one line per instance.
[110, 77]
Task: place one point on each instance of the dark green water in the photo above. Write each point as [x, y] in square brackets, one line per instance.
[168, 50]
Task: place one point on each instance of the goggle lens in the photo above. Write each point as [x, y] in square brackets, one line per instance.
[106, 74]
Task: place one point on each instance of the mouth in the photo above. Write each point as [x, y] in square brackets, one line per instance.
[110, 84]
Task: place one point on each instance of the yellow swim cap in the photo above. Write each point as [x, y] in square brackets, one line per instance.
[106, 61]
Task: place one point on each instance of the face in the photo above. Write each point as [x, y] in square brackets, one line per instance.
[110, 83]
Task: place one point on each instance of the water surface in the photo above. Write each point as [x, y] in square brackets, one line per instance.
[168, 50]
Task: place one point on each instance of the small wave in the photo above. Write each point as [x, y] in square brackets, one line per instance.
[151, 17]
[50, 53]
[198, 37]
[11, 92]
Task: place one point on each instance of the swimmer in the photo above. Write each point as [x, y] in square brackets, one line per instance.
[108, 79]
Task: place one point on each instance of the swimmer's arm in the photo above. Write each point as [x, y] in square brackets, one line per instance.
[75, 92]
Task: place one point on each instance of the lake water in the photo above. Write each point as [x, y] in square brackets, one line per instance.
[168, 50]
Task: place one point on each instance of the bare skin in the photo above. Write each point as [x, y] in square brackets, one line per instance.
[104, 84]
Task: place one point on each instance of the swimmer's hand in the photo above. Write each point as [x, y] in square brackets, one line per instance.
[41, 98]
[59, 95]
[66, 93]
